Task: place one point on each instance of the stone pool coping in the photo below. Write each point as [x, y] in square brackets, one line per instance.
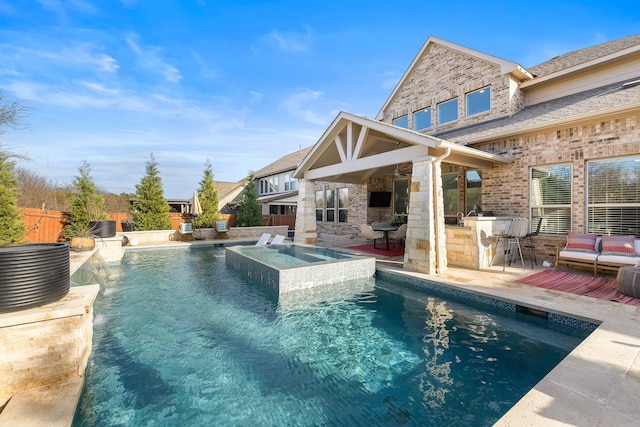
[597, 384]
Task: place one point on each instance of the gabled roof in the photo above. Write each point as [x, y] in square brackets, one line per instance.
[353, 148]
[583, 56]
[283, 164]
[505, 66]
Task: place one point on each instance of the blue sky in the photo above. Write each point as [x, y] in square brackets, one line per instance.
[240, 83]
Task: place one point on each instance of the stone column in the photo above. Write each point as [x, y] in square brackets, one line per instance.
[306, 232]
[421, 243]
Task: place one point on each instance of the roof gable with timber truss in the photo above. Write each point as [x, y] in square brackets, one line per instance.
[354, 148]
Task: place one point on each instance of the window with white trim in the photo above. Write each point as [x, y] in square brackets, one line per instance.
[422, 119]
[613, 196]
[330, 204]
[448, 111]
[289, 183]
[320, 205]
[550, 198]
[343, 204]
[402, 121]
[479, 101]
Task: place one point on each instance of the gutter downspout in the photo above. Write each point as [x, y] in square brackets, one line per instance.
[438, 226]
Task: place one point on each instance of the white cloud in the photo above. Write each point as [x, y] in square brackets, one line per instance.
[290, 41]
[389, 80]
[150, 58]
[255, 96]
[76, 56]
[300, 104]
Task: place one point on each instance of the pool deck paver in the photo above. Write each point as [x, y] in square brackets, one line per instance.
[597, 384]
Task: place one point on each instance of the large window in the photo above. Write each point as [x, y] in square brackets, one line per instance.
[550, 198]
[422, 119]
[330, 199]
[448, 111]
[613, 196]
[320, 205]
[479, 101]
[289, 183]
[402, 122]
[450, 193]
[473, 195]
[343, 204]
[331, 203]
[401, 196]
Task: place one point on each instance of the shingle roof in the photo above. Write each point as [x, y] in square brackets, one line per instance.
[560, 110]
[583, 55]
[224, 188]
[288, 162]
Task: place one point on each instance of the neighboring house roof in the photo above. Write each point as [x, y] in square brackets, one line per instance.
[229, 193]
[599, 102]
[286, 163]
[224, 188]
[279, 197]
[583, 56]
[505, 66]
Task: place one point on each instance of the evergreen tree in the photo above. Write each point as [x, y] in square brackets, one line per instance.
[208, 196]
[12, 228]
[151, 211]
[249, 211]
[86, 204]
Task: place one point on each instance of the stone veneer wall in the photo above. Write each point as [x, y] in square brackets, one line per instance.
[48, 344]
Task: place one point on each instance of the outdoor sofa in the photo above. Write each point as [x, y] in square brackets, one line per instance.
[599, 252]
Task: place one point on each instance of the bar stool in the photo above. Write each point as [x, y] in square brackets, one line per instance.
[530, 244]
[518, 229]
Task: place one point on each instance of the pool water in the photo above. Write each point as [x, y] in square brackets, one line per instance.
[182, 339]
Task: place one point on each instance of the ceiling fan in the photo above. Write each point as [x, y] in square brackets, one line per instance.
[399, 172]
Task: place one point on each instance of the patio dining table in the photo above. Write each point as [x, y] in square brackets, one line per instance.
[386, 229]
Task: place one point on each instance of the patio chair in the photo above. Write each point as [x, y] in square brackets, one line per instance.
[399, 235]
[367, 233]
[277, 240]
[222, 230]
[263, 240]
[518, 229]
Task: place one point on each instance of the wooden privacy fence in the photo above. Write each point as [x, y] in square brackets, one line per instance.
[289, 220]
[47, 226]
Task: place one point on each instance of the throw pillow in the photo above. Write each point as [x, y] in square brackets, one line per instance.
[618, 245]
[581, 242]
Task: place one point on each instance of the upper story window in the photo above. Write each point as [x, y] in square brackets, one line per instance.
[422, 119]
[289, 183]
[479, 101]
[550, 198]
[448, 111]
[402, 121]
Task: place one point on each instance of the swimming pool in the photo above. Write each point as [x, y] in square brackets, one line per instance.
[182, 339]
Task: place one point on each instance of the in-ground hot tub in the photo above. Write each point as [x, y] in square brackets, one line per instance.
[286, 268]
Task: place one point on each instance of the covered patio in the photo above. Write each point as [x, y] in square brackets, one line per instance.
[355, 150]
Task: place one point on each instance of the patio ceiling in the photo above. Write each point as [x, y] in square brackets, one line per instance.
[355, 148]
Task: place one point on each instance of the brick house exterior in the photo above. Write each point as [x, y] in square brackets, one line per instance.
[561, 115]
